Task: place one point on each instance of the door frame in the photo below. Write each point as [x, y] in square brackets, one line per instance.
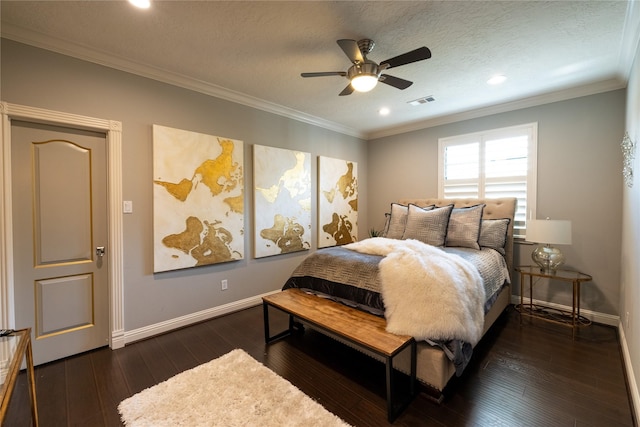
[113, 131]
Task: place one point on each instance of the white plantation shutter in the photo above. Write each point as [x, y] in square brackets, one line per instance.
[462, 170]
[492, 164]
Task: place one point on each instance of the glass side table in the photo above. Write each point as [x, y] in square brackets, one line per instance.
[572, 318]
[13, 349]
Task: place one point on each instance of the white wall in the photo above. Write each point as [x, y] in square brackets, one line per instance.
[579, 179]
[44, 79]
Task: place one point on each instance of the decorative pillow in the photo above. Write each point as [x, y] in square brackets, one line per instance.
[493, 234]
[464, 227]
[387, 220]
[429, 225]
[397, 221]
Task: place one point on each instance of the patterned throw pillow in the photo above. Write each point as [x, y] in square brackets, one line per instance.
[493, 234]
[429, 225]
[464, 227]
[397, 221]
[387, 221]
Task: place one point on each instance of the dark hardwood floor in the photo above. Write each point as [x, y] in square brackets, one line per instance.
[529, 374]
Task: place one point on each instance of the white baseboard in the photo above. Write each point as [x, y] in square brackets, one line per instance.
[127, 337]
[117, 339]
[179, 322]
[631, 378]
[594, 316]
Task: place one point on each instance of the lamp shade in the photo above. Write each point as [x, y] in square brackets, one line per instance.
[549, 231]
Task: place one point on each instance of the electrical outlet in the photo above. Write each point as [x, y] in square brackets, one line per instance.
[224, 284]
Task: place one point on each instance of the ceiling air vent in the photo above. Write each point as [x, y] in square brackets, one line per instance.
[421, 101]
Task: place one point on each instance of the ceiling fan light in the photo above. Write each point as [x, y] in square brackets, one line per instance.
[364, 82]
[142, 4]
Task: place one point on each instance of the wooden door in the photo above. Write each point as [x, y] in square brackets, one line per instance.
[59, 196]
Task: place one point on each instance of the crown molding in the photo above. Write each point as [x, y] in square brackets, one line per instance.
[533, 101]
[630, 38]
[79, 51]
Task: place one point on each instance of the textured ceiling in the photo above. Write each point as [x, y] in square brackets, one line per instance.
[254, 52]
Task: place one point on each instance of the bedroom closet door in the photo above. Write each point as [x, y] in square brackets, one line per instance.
[59, 196]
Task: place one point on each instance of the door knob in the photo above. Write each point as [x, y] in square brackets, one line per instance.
[100, 251]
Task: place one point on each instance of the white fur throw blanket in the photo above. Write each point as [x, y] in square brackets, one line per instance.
[427, 293]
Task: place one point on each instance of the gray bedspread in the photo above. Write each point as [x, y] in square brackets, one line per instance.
[352, 278]
[492, 268]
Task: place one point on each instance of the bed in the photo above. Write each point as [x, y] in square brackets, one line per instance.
[465, 244]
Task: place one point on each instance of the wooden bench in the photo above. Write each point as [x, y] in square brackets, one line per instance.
[356, 326]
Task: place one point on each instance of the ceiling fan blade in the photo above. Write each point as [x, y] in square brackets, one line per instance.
[351, 49]
[395, 81]
[407, 58]
[324, 73]
[347, 90]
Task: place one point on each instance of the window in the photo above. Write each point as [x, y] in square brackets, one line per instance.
[491, 164]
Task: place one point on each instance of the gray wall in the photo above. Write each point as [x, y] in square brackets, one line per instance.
[630, 281]
[43, 79]
[579, 179]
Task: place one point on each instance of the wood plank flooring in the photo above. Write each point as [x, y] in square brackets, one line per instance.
[529, 374]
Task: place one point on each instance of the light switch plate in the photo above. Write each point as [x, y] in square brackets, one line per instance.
[127, 206]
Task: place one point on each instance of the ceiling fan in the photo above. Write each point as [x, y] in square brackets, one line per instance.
[364, 74]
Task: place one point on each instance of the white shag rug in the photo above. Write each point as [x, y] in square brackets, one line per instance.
[233, 390]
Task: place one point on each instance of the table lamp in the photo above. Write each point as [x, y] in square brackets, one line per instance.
[548, 232]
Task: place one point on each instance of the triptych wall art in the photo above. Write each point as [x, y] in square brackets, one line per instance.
[337, 202]
[282, 200]
[198, 200]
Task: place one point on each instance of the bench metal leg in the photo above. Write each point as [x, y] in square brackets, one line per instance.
[394, 410]
[267, 336]
[391, 414]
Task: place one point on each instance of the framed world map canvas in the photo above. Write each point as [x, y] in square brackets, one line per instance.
[337, 202]
[282, 200]
[198, 199]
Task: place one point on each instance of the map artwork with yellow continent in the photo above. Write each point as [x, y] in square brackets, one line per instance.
[198, 199]
[282, 195]
[337, 202]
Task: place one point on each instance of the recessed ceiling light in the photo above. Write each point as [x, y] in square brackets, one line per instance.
[497, 79]
[384, 111]
[142, 4]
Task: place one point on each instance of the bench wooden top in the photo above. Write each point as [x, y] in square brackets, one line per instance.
[356, 325]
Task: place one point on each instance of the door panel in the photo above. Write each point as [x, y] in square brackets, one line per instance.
[59, 210]
[64, 304]
[55, 190]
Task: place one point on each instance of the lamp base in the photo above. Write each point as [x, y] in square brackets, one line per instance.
[548, 258]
